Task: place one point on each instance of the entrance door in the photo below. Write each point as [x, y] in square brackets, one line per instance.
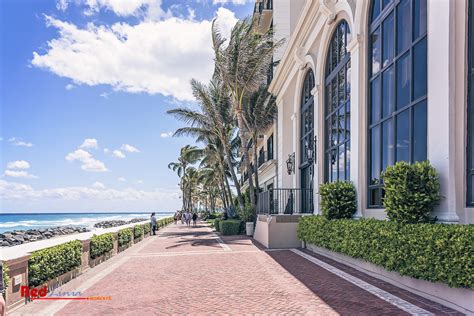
[307, 145]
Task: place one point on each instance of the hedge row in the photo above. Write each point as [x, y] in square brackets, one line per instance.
[229, 226]
[432, 252]
[49, 263]
[162, 222]
[146, 228]
[124, 236]
[137, 231]
[101, 244]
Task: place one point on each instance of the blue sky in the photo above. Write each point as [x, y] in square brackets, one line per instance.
[85, 85]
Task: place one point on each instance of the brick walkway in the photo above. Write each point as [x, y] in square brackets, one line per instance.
[192, 271]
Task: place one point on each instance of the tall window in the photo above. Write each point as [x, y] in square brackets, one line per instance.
[337, 114]
[270, 148]
[397, 88]
[470, 114]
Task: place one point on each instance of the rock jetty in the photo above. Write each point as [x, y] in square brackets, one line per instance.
[18, 237]
[114, 223]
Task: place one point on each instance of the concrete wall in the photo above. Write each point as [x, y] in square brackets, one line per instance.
[277, 231]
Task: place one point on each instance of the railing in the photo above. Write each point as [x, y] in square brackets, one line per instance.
[285, 201]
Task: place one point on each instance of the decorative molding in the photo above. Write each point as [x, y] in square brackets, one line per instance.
[316, 89]
[300, 58]
[328, 8]
[355, 42]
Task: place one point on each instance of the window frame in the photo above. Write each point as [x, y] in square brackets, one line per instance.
[394, 114]
[329, 75]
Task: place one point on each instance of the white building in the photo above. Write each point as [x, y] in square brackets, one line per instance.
[363, 84]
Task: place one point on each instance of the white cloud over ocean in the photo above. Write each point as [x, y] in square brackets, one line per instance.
[153, 56]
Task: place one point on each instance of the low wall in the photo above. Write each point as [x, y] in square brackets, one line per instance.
[16, 258]
[459, 299]
[277, 231]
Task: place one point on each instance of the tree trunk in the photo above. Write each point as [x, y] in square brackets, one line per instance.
[234, 178]
[255, 162]
[227, 186]
[243, 146]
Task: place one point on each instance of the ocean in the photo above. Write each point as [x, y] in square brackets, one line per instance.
[10, 222]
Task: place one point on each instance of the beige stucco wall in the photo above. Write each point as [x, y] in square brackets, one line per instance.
[447, 66]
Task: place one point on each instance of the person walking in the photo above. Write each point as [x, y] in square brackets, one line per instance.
[188, 219]
[183, 217]
[175, 218]
[195, 216]
[153, 223]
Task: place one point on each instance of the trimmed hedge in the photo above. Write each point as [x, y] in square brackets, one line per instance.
[230, 227]
[6, 277]
[411, 192]
[47, 264]
[162, 222]
[146, 228]
[216, 224]
[137, 231]
[124, 236]
[338, 199]
[101, 244]
[432, 252]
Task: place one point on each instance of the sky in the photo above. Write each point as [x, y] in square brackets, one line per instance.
[84, 90]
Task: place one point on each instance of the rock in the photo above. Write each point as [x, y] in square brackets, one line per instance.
[19, 238]
[4, 243]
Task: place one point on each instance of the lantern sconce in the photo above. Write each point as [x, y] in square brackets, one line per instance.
[290, 163]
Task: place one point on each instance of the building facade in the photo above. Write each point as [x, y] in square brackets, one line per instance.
[363, 84]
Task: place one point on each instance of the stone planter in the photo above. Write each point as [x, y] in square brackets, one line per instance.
[122, 248]
[249, 226]
[100, 259]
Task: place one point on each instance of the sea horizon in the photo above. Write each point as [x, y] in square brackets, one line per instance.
[25, 221]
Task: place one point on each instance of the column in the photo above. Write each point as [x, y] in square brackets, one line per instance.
[441, 103]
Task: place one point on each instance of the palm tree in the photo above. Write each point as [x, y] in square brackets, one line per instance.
[188, 155]
[242, 66]
[259, 111]
[212, 124]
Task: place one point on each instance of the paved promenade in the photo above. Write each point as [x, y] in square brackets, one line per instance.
[193, 271]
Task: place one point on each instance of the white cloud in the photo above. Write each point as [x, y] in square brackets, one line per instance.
[121, 179]
[98, 185]
[118, 154]
[88, 162]
[19, 174]
[104, 95]
[236, 2]
[70, 86]
[90, 143]
[19, 142]
[106, 150]
[139, 181]
[62, 5]
[166, 134]
[149, 57]
[18, 164]
[22, 192]
[129, 148]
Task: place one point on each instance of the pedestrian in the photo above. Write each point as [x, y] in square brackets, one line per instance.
[195, 216]
[153, 223]
[183, 217]
[175, 218]
[188, 219]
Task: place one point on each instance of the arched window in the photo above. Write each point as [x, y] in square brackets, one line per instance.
[397, 88]
[470, 107]
[337, 106]
[307, 143]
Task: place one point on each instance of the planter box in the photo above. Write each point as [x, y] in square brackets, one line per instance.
[122, 248]
[456, 298]
[60, 280]
[100, 259]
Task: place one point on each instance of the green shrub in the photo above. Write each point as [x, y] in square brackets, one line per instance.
[432, 252]
[47, 264]
[230, 227]
[338, 199]
[216, 224]
[101, 244]
[137, 231]
[411, 192]
[247, 214]
[6, 277]
[162, 222]
[124, 236]
[146, 228]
